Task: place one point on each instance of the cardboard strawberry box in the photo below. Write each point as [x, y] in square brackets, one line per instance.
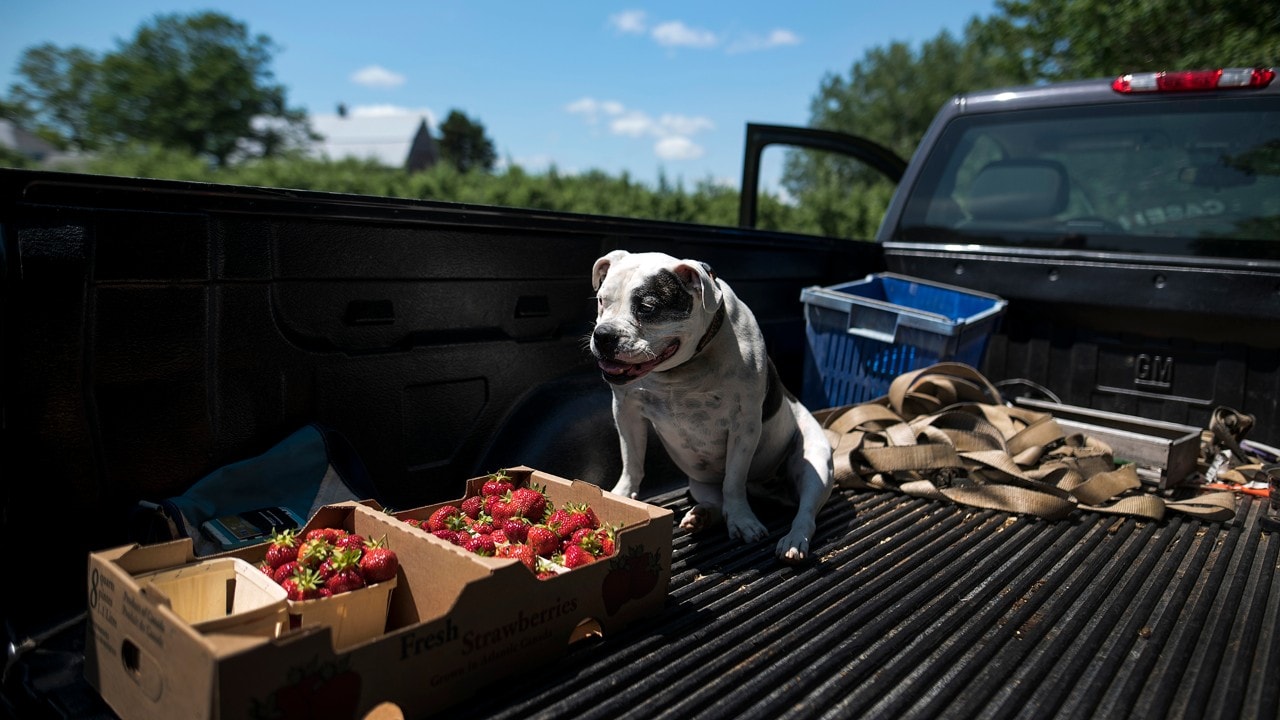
[455, 623]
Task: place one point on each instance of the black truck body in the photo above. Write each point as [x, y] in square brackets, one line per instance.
[154, 331]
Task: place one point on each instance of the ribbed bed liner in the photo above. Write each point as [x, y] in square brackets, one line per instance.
[915, 609]
[918, 609]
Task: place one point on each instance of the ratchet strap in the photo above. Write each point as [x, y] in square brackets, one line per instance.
[944, 433]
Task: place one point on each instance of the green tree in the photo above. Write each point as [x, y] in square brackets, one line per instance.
[889, 96]
[198, 83]
[58, 93]
[1076, 39]
[464, 144]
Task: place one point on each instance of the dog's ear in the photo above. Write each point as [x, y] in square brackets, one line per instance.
[602, 267]
[699, 279]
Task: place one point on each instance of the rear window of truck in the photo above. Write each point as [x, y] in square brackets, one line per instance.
[1187, 176]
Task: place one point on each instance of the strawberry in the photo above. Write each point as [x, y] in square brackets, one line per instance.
[283, 548]
[499, 507]
[586, 539]
[332, 535]
[500, 538]
[520, 552]
[472, 506]
[441, 516]
[607, 536]
[482, 525]
[283, 572]
[516, 528]
[338, 560]
[576, 556]
[346, 574]
[304, 584]
[447, 535]
[497, 484]
[350, 540]
[379, 562]
[311, 553]
[481, 545]
[543, 540]
[571, 518]
[530, 503]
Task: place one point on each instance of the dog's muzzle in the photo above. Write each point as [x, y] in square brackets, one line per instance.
[604, 343]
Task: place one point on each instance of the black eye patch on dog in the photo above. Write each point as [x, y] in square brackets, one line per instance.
[662, 298]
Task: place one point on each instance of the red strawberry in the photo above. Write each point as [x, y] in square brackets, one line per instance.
[516, 529]
[571, 518]
[499, 507]
[346, 572]
[447, 535]
[607, 536]
[500, 538]
[497, 484]
[576, 556]
[283, 572]
[520, 552]
[481, 545]
[350, 540]
[304, 584]
[482, 525]
[379, 563]
[311, 553]
[338, 560]
[332, 535]
[543, 540]
[472, 506]
[283, 548]
[530, 503]
[441, 516]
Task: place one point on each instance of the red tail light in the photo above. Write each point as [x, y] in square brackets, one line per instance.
[1193, 80]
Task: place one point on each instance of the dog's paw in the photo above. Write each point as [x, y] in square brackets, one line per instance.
[700, 517]
[746, 527]
[626, 490]
[793, 548]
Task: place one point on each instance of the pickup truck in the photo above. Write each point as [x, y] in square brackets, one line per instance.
[155, 331]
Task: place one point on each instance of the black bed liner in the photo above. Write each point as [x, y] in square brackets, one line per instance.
[918, 609]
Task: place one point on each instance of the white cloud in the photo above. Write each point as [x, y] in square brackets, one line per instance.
[676, 34]
[377, 76]
[778, 37]
[677, 148]
[591, 109]
[674, 132]
[631, 22]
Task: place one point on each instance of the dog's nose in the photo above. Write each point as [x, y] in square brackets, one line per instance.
[605, 339]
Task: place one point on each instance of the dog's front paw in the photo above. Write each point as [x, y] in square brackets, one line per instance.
[700, 517]
[626, 489]
[794, 548]
[746, 527]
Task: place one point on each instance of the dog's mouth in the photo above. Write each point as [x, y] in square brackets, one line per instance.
[620, 373]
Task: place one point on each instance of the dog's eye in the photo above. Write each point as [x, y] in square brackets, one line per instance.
[646, 306]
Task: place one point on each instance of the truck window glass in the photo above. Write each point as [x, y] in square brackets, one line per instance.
[1185, 176]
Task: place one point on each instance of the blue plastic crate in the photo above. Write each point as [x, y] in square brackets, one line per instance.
[863, 334]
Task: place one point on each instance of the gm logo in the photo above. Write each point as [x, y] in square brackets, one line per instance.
[1153, 371]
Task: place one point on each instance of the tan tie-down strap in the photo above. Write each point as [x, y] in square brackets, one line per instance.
[943, 432]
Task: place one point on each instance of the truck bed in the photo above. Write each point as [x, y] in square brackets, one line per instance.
[913, 609]
[156, 331]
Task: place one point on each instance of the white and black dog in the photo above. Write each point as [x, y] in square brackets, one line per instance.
[684, 353]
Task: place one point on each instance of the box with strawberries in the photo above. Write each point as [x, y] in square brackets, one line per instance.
[421, 608]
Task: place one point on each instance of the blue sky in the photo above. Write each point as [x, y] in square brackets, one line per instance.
[640, 87]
